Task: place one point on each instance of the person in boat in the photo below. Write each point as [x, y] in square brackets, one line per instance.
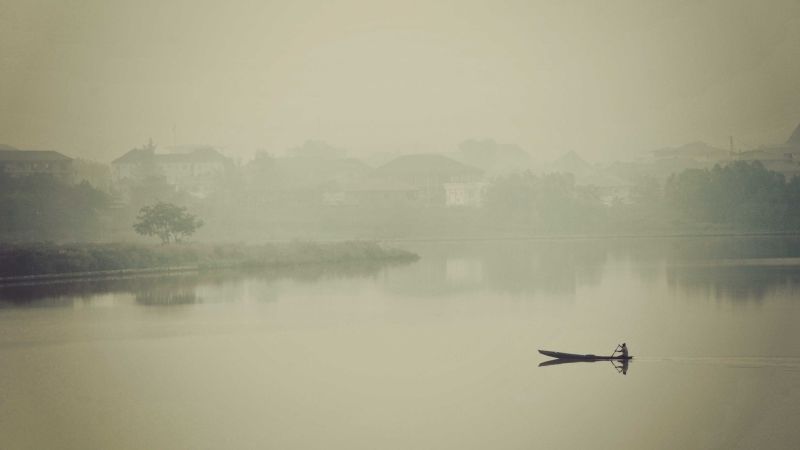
[624, 350]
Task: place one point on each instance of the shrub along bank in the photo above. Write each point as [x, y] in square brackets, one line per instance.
[50, 259]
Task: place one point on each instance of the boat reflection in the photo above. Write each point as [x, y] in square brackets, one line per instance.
[621, 366]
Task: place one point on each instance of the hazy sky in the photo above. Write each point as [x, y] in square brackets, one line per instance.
[604, 78]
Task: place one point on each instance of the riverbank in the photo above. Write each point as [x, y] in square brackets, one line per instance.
[595, 236]
[51, 261]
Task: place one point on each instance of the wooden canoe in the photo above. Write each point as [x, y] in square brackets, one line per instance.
[575, 356]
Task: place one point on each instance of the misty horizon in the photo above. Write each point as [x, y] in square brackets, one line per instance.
[608, 82]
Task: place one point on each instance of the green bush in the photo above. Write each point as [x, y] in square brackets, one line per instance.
[48, 258]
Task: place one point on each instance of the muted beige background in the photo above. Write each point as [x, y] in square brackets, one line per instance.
[608, 79]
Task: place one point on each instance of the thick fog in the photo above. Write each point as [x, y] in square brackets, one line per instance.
[609, 80]
[383, 120]
[352, 224]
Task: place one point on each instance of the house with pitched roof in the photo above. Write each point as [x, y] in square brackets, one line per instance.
[783, 158]
[370, 191]
[16, 163]
[439, 180]
[194, 169]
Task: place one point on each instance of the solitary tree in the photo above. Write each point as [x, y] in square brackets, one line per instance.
[167, 221]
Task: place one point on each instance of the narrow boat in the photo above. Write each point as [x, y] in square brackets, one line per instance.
[575, 356]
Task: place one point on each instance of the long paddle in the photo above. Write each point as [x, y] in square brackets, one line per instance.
[612, 359]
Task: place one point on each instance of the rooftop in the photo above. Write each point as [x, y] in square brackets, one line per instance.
[134, 156]
[194, 154]
[32, 155]
[692, 150]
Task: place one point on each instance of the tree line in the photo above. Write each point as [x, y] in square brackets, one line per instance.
[741, 196]
[42, 207]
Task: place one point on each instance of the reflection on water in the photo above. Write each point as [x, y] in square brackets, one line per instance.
[440, 353]
[525, 268]
[620, 366]
[173, 289]
[560, 267]
[167, 296]
[738, 283]
[514, 268]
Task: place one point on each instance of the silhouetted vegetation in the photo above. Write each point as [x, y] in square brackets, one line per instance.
[737, 197]
[169, 222]
[45, 258]
[39, 259]
[156, 289]
[283, 198]
[743, 195]
[548, 204]
[43, 207]
[733, 198]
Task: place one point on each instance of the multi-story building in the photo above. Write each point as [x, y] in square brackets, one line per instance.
[469, 194]
[783, 158]
[17, 163]
[195, 170]
[439, 180]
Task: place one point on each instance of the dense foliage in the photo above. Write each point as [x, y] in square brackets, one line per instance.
[735, 197]
[43, 207]
[743, 195]
[549, 203]
[43, 258]
[169, 222]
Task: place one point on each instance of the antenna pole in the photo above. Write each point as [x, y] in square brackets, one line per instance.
[733, 152]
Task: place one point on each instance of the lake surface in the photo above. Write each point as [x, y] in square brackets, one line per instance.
[436, 354]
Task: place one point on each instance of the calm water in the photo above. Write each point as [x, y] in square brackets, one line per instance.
[437, 354]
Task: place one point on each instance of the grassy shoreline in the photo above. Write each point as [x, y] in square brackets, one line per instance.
[48, 261]
[591, 236]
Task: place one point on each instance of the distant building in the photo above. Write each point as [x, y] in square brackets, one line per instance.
[570, 162]
[783, 158]
[297, 173]
[698, 151]
[306, 179]
[495, 158]
[371, 192]
[609, 188]
[195, 170]
[429, 173]
[18, 163]
[468, 194]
